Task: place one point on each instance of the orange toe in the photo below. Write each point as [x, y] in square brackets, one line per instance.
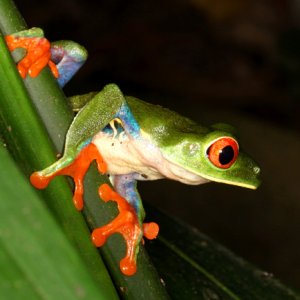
[39, 181]
[150, 230]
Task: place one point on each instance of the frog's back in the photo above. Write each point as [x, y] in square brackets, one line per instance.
[163, 125]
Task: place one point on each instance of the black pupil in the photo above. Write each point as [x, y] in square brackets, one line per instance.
[226, 155]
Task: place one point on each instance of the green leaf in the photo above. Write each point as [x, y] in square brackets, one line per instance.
[37, 260]
[195, 267]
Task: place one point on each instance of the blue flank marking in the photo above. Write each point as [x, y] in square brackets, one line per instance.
[108, 130]
[130, 124]
[125, 185]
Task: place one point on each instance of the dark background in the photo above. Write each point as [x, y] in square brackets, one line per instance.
[235, 61]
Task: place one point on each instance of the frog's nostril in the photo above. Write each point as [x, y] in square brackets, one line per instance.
[256, 170]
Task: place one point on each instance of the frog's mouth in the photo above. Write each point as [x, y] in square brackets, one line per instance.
[245, 173]
[245, 177]
[191, 178]
[253, 185]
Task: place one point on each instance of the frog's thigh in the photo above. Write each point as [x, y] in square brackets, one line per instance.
[69, 57]
[125, 185]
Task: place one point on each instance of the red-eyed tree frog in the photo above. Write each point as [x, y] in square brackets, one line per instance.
[130, 140]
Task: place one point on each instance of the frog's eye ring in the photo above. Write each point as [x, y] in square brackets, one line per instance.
[223, 152]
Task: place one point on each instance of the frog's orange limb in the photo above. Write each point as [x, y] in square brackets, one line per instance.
[77, 169]
[128, 225]
[37, 57]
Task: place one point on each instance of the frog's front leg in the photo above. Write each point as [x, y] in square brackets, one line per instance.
[37, 51]
[63, 57]
[73, 165]
[129, 222]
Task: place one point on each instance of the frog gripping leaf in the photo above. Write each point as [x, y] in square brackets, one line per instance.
[130, 140]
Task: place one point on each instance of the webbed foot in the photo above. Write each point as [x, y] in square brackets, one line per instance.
[76, 169]
[128, 225]
[38, 52]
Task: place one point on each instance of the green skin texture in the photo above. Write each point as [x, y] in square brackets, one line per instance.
[172, 133]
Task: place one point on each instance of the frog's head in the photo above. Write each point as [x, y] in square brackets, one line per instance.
[216, 156]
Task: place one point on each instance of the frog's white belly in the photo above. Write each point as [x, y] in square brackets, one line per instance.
[125, 155]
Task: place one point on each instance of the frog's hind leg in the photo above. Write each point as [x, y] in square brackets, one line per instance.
[68, 57]
[129, 222]
[74, 166]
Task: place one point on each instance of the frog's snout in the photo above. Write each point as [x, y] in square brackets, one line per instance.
[257, 173]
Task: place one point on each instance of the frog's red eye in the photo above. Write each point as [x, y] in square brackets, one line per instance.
[223, 152]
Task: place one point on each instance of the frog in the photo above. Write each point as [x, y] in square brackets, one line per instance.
[130, 140]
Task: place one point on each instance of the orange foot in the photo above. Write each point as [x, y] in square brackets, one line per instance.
[37, 56]
[127, 224]
[77, 169]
